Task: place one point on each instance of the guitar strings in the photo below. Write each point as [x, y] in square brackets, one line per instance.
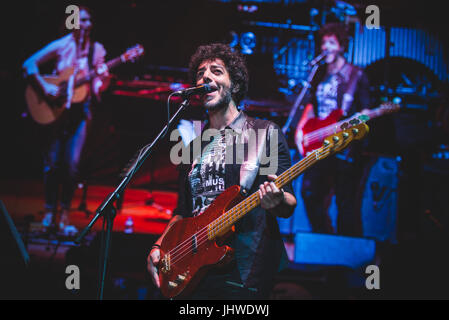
[172, 251]
[319, 133]
[182, 249]
[215, 226]
[203, 236]
[253, 200]
[230, 217]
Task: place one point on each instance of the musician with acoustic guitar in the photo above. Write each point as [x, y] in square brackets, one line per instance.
[74, 55]
[253, 250]
[339, 90]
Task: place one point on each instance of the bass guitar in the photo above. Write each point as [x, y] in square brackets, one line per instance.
[316, 130]
[193, 245]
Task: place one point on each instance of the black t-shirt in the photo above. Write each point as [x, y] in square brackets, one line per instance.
[327, 95]
[207, 177]
[328, 91]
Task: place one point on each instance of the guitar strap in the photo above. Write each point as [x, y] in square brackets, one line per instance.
[90, 62]
[90, 56]
[254, 138]
[347, 99]
[348, 95]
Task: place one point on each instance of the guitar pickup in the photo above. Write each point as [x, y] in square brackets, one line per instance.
[180, 278]
[194, 245]
[165, 263]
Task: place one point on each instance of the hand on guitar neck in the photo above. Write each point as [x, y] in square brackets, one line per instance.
[101, 83]
[102, 70]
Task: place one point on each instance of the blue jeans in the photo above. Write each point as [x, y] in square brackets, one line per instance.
[344, 178]
[62, 157]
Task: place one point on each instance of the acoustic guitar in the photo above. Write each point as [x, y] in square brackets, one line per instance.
[46, 111]
[193, 245]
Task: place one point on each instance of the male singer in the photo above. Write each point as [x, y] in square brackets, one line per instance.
[259, 249]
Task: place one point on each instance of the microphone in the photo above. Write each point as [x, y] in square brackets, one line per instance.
[319, 58]
[201, 89]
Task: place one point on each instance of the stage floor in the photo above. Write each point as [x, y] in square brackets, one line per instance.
[150, 211]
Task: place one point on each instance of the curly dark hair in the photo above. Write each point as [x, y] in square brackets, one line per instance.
[339, 30]
[234, 63]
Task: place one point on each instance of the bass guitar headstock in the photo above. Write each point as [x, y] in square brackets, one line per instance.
[353, 130]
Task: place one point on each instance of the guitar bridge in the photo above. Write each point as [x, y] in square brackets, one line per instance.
[165, 261]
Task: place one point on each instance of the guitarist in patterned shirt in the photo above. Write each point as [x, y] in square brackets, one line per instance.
[66, 140]
[338, 88]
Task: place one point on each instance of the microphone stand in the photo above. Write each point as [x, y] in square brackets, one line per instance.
[108, 211]
[299, 99]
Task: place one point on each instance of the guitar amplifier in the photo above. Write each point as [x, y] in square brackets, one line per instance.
[379, 200]
[378, 203]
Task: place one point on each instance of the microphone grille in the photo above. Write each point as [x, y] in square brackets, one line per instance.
[208, 88]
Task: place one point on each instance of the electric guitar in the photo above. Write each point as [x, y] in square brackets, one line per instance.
[315, 130]
[73, 87]
[193, 245]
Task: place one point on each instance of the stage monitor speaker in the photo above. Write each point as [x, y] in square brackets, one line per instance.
[332, 250]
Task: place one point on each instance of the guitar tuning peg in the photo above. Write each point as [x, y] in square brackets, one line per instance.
[397, 100]
[364, 118]
[344, 126]
[354, 122]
